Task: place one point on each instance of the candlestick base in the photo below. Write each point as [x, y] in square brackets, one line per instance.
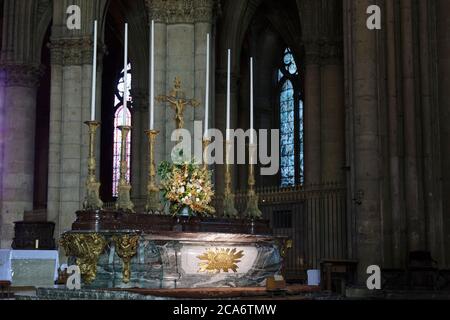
[205, 143]
[124, 202]
[153, 205]
[229, 211]
[252, 211]
[92, 199]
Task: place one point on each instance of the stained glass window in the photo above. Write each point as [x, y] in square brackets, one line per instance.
[119, 118]
[291, 123]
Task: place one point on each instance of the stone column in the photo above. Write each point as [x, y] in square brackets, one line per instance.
[365, 157]
[312, 113]
[24, 27]
[332, 114]
[393, 124]
[430, 120]
[414, 200]
[203, 25]
[18, 84]
[180, 44]
[72, 65]
[139, 144]
[443, 46]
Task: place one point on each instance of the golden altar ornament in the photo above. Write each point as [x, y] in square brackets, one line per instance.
[92, 200]
[218, 260]
[252, 211]
[178, 102]
[86, 248]
[124, 189]
[126, 248]
[229, 210]
[153, 193]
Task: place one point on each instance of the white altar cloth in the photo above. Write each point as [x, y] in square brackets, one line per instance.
[6, 257]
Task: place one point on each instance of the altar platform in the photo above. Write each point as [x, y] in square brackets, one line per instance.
[123, 250]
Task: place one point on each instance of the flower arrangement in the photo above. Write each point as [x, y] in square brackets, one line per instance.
[186, 185]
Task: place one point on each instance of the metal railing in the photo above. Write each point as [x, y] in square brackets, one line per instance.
[314, 217]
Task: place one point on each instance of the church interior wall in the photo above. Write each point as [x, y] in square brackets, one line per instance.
[376, 105]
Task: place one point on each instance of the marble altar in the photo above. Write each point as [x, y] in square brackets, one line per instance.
[120, 250]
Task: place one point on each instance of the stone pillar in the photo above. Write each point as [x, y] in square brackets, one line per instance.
[430, 120]
[203, 25]
[414, 201]
[443, 44]
[19, 84]
[332, 114]
[312, 113]
[70, 108]
[139, 144]
[365, 156]
[397, 207]
[24, 27]
[180, 43]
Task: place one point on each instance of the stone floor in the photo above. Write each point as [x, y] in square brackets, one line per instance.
[293, 292]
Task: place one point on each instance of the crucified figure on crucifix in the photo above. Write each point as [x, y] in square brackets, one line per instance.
[178, 102]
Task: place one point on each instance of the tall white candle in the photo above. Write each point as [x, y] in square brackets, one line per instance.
[125, 76]
[152, 76]
[228, 96]
[207, 87]
[252, 138]
[94, 73]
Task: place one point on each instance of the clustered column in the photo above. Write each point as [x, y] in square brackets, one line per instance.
[19, 85]
[70, 107]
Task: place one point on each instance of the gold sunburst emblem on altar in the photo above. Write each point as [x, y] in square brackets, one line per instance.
[218, 260]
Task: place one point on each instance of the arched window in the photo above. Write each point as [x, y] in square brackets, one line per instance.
[291, 122]
[118, 121]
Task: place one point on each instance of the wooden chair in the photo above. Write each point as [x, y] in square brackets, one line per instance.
[422, 270]
[339, 272]
[5, 289]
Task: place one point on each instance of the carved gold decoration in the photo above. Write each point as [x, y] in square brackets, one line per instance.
[124, 189]
[86, 248]
[229, 211]
[252, 211]
[92, 200]
[178, 102]
[126, 248]
[153, 196]
[286, 245]
[217, 260]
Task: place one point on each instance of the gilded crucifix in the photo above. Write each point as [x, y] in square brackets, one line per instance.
[178, 102]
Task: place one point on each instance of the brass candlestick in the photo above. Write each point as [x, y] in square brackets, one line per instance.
[252, 210]
[124, 201]
[229, 211]
[205, 143]
[153, 201]
[92, 200]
